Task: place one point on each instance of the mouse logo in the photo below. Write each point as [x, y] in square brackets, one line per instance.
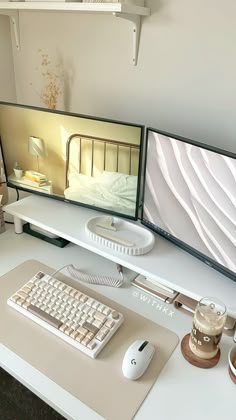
[133, 362]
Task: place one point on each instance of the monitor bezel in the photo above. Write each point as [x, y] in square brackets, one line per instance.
[4, 165]
[94, 118]
[193, 251]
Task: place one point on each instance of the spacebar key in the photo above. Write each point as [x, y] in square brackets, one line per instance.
[44, 316]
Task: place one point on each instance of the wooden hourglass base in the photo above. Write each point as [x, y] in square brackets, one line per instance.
[193, 359]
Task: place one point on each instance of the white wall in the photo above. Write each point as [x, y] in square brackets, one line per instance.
[185, 80]
[7, 79]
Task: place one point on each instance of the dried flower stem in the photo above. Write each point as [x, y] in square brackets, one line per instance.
[53, 78]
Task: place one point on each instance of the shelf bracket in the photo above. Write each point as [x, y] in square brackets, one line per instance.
[14, 19]
[136, 21]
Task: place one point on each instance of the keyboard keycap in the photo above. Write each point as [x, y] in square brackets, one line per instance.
[91, 328]
[43, 315]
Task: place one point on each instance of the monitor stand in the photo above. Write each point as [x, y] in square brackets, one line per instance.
[44, 235]
[166, 263]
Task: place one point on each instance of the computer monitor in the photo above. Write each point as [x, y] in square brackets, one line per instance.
[83, 160]
[189, 197]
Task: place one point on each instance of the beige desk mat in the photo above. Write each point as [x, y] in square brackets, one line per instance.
[99, 382]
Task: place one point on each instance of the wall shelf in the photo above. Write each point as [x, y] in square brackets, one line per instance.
[125, 10]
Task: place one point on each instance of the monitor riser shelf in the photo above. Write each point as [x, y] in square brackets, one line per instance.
[166, 262]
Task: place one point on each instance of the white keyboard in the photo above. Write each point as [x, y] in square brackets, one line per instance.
[78, 319]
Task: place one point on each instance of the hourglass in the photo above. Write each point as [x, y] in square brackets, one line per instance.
[201, 346]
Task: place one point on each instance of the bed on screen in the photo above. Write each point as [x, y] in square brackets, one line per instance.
[102, 173]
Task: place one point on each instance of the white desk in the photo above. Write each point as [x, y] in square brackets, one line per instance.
[181, 391]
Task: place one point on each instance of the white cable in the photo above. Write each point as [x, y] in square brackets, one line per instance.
[93, 279]
[88, 278]
[57, 271]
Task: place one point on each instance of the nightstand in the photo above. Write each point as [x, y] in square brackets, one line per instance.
[26, 183]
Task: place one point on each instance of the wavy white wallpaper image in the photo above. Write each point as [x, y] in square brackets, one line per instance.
[190, 193]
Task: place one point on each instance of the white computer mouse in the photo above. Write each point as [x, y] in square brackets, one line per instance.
[137, 358]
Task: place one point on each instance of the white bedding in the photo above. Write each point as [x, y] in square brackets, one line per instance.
[111, 190]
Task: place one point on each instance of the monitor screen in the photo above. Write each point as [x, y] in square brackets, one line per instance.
[80, 159]
[189, 197]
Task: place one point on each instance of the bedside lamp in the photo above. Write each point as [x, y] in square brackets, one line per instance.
[36, 147]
